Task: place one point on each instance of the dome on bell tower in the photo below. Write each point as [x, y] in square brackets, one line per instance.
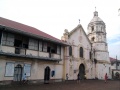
[96, 18]
[96, 29]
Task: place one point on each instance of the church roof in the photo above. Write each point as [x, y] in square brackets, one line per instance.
[27, 29]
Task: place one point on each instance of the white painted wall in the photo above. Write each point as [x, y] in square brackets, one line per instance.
[75, 37]
[37, 69]
[43, 54]
[56, 56]
[58, 71]
[102, 56]
[99, 46]
[32, 52]
[2, 69]
[102, 70]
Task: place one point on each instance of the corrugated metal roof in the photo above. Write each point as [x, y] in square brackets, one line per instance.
[26, 28]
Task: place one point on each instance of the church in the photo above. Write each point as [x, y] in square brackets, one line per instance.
[44, 58]
[88, 53]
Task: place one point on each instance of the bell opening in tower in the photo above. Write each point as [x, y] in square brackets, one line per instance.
[92, 28]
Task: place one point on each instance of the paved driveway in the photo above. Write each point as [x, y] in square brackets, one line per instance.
[69, 85]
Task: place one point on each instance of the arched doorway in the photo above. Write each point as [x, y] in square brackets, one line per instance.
[82, 71]
[47, 75]
[18, 73]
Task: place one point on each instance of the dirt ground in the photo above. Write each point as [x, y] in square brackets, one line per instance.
[69, 85]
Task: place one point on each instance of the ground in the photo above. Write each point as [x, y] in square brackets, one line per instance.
[69, 85]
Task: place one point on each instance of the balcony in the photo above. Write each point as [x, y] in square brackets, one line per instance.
[7, 49]
[27, 53]
[57, 56]
[20, 51]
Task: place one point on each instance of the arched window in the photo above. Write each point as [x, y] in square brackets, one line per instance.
[81, 52]
[70, 51]
[93, 39]
[92, 28]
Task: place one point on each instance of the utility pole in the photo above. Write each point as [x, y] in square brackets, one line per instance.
[116, 62]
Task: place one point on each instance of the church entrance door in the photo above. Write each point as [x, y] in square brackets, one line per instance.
[47, 75]
[82, 71]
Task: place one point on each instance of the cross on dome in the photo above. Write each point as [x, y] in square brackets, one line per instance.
[95, 13]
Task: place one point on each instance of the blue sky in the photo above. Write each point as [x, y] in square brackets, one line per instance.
[114, 45]
[115, 39]
[53, 16]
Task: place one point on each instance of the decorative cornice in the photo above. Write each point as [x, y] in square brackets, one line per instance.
[103, 62]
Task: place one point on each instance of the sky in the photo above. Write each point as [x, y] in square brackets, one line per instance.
[54, 16]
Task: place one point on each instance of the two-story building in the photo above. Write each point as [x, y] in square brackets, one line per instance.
[27, 50]
[115, 68]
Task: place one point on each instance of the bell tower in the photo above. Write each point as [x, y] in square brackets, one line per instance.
[97, 36]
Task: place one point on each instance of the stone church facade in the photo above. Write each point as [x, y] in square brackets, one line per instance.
[88, 53]
[78, 59]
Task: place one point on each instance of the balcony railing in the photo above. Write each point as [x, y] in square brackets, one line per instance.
[27, 53]
[55, 56]
[19, 50]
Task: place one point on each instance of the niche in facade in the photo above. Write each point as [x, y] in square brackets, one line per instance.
[70, 51]
[93, 39]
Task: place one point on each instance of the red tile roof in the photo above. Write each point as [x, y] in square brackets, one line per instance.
[25, 28]
[112, 59]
